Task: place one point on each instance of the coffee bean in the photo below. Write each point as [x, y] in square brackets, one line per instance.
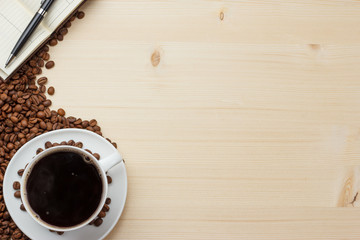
[48, 145]
[98, 222]
[79, 144]
[16, 185]
[17, 194]
[10, 146]
[40, 114]
[46, 56]
[3, 97]
[42, 89]
[60, 37]
[18, 108]
[48, 126]
[14, 119]
[96, 155]
[12, 225]
[68, 24]
[109, 179]
[50, 64]
[47, 103]
[53, 42]
[51, 90]
[22, 141]
[88, 151]
[80, 15]
[40, 63]
[20, 172]
[24, 123]
[39, 150]
[60, 233]
[42, 125]
[78, 121]
[102, 214]
[17, 235]
[61, 112]
[106, 208]
[108, 200]
[63, 31]
[36, 71]
[34, 130]
[45, 48]
[32, 63]
[93, 122]
[22, 207]
[40, 54]
[42, 80]
[92, 222]
[2, 207]
[85, 124]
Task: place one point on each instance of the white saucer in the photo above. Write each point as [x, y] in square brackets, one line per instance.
[117, 189]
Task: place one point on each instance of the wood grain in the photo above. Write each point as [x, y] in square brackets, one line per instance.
[237, 119]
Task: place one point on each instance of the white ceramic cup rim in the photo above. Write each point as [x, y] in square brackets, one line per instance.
[102, 168]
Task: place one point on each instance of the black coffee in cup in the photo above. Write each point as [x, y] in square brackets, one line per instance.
[63, 189]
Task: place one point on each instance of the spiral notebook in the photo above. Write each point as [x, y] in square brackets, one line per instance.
[15, 15]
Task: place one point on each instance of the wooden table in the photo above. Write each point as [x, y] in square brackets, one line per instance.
[237, 119]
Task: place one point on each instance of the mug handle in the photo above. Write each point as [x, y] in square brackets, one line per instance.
[110, 161]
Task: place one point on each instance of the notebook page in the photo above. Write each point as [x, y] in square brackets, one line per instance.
[13, 20]
[58, 11]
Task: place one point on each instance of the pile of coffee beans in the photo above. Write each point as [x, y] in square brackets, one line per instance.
[99, 220]
[25, 113]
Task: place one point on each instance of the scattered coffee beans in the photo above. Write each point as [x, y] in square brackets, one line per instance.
[21, 100]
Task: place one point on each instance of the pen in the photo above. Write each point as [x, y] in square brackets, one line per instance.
[35, 21]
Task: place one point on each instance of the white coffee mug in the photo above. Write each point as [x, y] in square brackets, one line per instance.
[102, 167]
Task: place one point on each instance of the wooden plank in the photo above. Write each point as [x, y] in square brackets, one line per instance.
[240, 128]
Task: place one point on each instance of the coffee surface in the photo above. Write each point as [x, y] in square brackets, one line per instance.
[63, 189]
